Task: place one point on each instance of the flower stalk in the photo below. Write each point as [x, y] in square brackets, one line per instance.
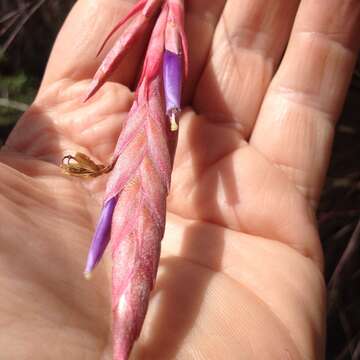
[134, 210]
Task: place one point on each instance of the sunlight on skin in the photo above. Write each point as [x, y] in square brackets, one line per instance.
[50, 218]
[241, 264]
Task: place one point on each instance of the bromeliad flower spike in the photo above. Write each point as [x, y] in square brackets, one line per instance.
[133, 213]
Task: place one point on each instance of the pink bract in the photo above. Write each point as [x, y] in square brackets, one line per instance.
[140, 179]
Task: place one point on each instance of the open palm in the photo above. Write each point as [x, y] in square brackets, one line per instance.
[240, 273]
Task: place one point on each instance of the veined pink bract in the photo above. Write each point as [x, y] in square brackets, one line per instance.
[141, 13]
[139, 219]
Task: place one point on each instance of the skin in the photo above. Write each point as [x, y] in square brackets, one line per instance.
[241, 268]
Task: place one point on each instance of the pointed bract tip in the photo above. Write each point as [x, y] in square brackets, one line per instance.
[93, 88]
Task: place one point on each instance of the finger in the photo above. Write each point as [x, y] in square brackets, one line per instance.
[201, 19]
[248, 44]
[295, 127]
[74, 52]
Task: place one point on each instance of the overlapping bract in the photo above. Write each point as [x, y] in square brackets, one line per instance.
[139, 218]
[135, 197]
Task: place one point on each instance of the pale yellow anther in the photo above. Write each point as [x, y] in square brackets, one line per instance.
[87, 275]
[173, 124]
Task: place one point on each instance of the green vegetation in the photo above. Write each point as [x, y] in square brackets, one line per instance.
[24, 50]
[16, 92]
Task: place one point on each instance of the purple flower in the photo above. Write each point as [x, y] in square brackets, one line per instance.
[173, 76]
[174, 60]
[101, 237]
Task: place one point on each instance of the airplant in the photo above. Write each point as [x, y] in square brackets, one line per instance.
[134, 208]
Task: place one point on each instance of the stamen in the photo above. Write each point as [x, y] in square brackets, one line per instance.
[173, 124]
[87, 275]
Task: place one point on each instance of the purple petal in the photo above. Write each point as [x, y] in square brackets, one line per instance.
[102, 235]
[173, 76]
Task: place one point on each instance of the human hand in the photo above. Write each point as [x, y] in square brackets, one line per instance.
[240, 274]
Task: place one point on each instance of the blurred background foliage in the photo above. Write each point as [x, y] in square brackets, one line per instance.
[27, 31]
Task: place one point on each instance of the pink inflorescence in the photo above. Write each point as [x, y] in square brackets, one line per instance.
[133, 214]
